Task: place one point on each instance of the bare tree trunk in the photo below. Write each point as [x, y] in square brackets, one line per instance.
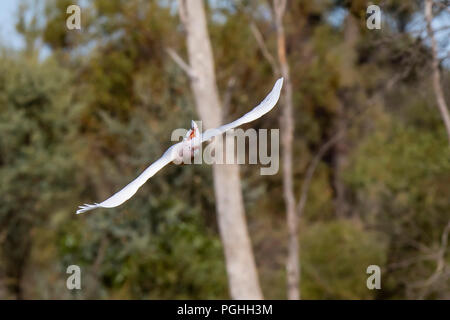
[442, 105]
[287, 136]
[240, 263]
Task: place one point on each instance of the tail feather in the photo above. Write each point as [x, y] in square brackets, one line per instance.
[87, 207]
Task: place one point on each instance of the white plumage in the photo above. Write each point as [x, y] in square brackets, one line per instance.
[191, 142]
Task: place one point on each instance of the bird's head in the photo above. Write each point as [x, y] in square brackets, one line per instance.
[193, 133]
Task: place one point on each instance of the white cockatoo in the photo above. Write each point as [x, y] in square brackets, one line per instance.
[189, 145]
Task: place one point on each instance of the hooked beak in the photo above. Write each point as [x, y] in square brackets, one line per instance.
[194, 128]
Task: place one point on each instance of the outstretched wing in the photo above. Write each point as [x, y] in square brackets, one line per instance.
[261, 109]
[126, 193]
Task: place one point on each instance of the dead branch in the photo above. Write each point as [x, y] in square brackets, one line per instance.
[442, 105]
[180, 62]
[264, 50]
[311, 169]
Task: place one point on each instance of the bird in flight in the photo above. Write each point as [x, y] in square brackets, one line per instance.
[186, 148]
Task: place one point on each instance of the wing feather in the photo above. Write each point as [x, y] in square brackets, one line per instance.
[129, 190]
[257, 112]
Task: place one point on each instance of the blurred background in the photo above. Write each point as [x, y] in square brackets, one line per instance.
[82, 112]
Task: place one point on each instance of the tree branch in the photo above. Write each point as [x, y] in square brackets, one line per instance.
[264, 50]
[180, 62]
[311, 169]
[442, 105]
[440, 269]
[182, 12]
[227, 97]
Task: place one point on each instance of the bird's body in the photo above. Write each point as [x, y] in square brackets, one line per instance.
[185, 149]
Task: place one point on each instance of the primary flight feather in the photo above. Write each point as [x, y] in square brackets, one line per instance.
[191, 142]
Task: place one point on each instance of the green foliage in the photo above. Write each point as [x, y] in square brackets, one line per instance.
[399, 177]
[81, 124]
[334, 259]
[36, 162]
[165, 252]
